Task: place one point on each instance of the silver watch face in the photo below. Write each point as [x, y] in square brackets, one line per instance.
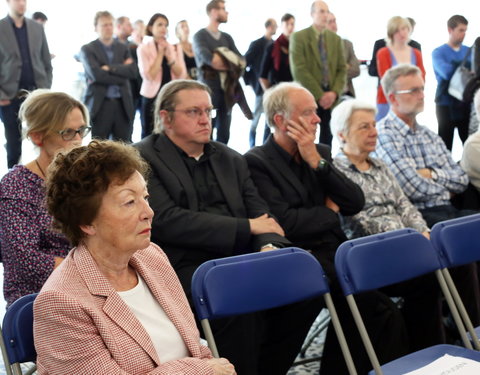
[322, 164]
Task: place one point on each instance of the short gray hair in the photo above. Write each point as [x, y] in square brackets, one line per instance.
[167, 98]
[342, 113]
[276, 100]
[392, 74]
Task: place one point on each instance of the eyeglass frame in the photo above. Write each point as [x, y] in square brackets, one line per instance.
[85, 129]
[195, 112]
[414, 91]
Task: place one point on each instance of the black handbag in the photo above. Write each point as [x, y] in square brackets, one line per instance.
[460, 79]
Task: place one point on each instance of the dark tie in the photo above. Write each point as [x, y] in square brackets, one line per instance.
[324, 60]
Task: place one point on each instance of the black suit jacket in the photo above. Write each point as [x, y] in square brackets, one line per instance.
[254, 58]
[93, 57]
[187, 234]
[380, 43]
[301, 209]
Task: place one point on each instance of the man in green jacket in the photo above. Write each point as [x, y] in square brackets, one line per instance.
[317, 62]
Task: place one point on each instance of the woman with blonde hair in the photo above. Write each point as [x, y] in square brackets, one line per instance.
[396, 52]
[30, 249]
[182, 32]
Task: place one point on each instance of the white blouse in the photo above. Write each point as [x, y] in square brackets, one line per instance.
[165, 337]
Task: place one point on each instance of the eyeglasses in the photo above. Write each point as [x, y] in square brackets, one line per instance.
[414, 91]
[69, 134]
[196, 113]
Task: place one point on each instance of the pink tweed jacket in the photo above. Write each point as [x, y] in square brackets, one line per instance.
[147, 52]
[82, 326]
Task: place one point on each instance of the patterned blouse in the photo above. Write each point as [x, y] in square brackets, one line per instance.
[28, 244]
[386, 206]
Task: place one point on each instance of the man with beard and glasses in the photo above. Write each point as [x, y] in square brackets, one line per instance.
[423, 165]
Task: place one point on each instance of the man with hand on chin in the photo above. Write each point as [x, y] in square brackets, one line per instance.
[306, 192]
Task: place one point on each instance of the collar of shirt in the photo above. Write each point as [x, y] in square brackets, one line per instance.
[208, 150]
[399, 125]
[343, 160]
[284, 154]
[12, 21]
[318, 33]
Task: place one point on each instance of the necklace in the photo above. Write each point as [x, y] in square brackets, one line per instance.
[41, 170]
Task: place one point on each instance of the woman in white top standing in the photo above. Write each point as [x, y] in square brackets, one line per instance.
[159, 62]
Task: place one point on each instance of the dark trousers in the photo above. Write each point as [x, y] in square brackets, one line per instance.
[421, 310]
[325, 132]
[13, 131]
[383, 321]
[257, 113]
[260, 343]
[147, 116]
[111, 121]
[450, 118]
[223, 118]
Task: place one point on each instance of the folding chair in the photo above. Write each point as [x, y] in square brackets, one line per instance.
[259, 281]
[18, 334]
[379, 260]
[457, 244]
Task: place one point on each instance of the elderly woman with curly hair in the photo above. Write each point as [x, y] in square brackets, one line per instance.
[115, 304]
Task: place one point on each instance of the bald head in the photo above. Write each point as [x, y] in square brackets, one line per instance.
[270, 27]
[319, 12]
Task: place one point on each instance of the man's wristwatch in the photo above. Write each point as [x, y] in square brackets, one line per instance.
[434, 174]
[269, 246]
[322, 165]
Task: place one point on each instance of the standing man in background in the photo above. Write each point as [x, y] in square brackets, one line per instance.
[108, 69]
[254, 57]
[123, 32]
[276, 64]
[451, 113]
[353, 65]
[25, 64]
[210, 64]
[318, 63]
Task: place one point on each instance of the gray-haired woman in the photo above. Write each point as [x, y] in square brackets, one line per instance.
[386, 206]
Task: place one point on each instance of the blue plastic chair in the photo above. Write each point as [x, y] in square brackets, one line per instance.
[376, 261]
[18, 333]
[259, 281]
[457, 242]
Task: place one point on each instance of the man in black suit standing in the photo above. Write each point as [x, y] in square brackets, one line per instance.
[307, 193]
[254, 58]
[206, 206]
[108, 70]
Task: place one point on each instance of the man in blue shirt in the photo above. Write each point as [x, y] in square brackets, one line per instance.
[24, 65]
[451, 113]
